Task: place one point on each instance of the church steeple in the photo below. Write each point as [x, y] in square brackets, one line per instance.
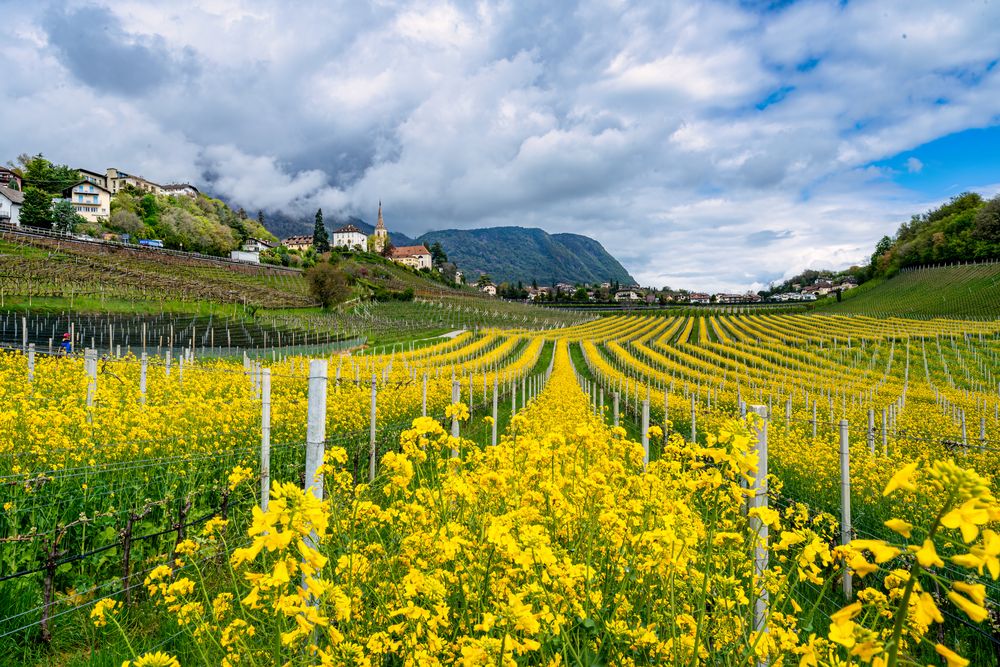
[381, 236]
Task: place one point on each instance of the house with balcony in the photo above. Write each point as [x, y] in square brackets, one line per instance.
[298, 243]
[9, 179]
[10, 206]
[90, 200]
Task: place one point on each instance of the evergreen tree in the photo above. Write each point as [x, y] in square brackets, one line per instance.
[260, 217]
[36, 211]
[321, 240]
[438, 256]
[64, 216]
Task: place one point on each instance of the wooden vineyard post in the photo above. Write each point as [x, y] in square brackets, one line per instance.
[315, 430]
[372, 447]
[759, 500]
[265, 438]
[845, 500]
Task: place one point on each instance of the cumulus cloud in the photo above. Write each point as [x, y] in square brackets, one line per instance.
[706, 145]
[914, 166]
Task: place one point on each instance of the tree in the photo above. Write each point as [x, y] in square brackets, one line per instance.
[47, 177]
[388, 248]
[36, 211]
[484, 279]
[64, 216]
[987, 221]
[321, 240]
[327, 284]
[260, 217]
[438, 256]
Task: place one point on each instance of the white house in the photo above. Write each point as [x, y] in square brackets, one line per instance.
[627, 295]
[10, 205]
[490, 289]
[256, 245]
[349, 237]
[180, 190]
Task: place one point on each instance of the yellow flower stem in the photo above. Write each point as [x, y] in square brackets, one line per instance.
[892, 660]
[121, 631]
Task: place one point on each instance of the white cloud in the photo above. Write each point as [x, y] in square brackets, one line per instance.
[914, 166]
[707, 145]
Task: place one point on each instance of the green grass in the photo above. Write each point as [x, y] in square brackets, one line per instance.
[970, 291]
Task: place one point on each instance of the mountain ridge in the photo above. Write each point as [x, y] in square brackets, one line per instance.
[507, 254]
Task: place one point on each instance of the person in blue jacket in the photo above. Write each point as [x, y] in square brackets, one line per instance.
[67, 345]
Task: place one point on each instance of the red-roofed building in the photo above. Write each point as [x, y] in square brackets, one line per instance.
[416, 256]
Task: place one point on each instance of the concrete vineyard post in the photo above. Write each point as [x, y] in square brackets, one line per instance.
[493, 426]
[316, 427]
[143, 370]
[513, 399]
[423, 403]
[885, 435]
[372, 453]
[265, 438]
[694, 421]
[31, 362]
[615, 409]
[645, 432]
[90, 364]
[759, 500]
[456, 396]
[871, 430]
[845, 499]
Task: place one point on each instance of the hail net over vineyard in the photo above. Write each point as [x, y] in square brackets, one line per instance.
[112, 463]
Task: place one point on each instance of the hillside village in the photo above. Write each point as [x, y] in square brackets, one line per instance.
[122, 207]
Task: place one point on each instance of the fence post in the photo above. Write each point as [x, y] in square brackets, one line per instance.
[265, 437]
[315, 429]
[513, 398]
[372, 453]
[24, 334]
[494, 425]
[845, 500]
[645, 433]
[759, 500]
[31, 362]
[814, 420]
[615, 409]
[982, 431]
[167, 363]
[456, 396]
[143, 368]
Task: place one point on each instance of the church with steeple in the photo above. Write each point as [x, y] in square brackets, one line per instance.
[380, 239]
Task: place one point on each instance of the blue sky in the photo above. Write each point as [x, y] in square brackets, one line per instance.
[708, 144]
[948, 166]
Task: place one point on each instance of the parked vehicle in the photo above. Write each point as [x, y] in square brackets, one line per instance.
[151, 243]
